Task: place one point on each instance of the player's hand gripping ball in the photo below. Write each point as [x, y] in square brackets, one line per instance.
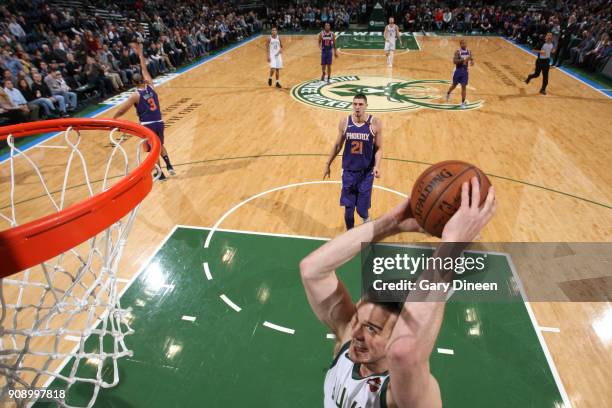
[436, 194]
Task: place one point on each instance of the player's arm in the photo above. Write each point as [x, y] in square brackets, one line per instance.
[280, 46]
[125, 106]
[143, 65]
[326, 294]
[335, 49]
[416, 330]
[399, 35]
[320, 41]
[457, 58]
[386, 33]
[471, 58]
[336, 147]
[268, 49]
[378, 142]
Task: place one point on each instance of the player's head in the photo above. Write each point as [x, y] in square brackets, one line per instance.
[327, 26]
[371, 328]
[463, 44]
[360, 104]
[137, 79]
[391, 20]
[274, 30]
[548, 37]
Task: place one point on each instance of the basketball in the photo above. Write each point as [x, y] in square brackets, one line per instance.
[436, 194]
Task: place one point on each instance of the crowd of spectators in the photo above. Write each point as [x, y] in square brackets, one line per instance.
[52, 59]
[580, 28]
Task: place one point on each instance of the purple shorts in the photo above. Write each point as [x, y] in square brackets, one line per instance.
[326, 57]
[460, 76]
[357, 189]
[158, 129]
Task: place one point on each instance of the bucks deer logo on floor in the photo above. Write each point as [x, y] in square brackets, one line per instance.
[384, 94]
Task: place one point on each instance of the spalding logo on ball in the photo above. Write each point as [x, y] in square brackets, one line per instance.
[436, 194]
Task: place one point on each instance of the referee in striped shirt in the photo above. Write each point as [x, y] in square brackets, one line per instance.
[543, 62]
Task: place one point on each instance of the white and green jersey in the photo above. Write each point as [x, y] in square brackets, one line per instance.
[345, 388]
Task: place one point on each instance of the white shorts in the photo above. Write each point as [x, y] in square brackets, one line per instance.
[389, 46]
[276, 61]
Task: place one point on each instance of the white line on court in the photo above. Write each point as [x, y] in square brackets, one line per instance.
[189, 318]
[305, 183]
[550, 329]
[279, 328]
[330, 336]
[72, 338]
[50, 147]
[230, 303]
[122, 280]
[207, 271]
[446, 351]
[549, 359]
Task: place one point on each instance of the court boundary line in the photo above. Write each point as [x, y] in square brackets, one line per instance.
[543, 344]
[567, 72]
[45, 137]
[139, 272]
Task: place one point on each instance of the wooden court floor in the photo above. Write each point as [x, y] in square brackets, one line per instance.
[231, 137]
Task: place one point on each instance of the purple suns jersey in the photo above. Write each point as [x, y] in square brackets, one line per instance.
[359, 146]
[148, 109]
[464, 54]
[327, 41]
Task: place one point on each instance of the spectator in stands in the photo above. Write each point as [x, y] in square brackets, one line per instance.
[59, 87]
[587, 44]
[96, 77]
[8, 109]
[44, 104]
[74, 72]
[11, 62]
[447, 17]
[41, 90]
[485, 26]
[18, 100]
[599, 54]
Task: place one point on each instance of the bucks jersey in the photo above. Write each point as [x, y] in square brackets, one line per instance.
[358, 146]
[391, 33]
[148, 109]
[276, 60]
[275, 46]
[345, 388]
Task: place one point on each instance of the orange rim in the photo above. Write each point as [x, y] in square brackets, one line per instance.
[30, 244]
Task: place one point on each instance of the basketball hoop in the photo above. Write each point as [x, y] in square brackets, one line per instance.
[58, 271]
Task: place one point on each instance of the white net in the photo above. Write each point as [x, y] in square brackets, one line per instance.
[62, 327]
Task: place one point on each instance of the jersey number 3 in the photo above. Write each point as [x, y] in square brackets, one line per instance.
[356, 147]
[152, 104]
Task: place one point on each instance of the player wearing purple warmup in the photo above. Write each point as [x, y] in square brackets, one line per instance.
[146, 102]
[461, 59]
[361, 135]
[327, 44]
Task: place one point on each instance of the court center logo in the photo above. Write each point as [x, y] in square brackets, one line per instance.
[384, 94]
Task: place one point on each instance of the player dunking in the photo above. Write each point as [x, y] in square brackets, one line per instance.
[327, 44]
[361, 135]
[392, 33]
[461, 59]
[384, 344]
[146, 102]
[274, 49]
